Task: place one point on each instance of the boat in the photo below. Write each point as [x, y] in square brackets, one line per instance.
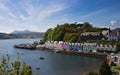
[24, 46]
[56, 51]
[42, 58]
[7, 54]
[38, 68]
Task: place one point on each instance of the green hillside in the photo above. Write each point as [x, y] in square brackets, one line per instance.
[69, 32]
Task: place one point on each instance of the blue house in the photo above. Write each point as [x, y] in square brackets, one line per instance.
[89, 47]
[75, 46]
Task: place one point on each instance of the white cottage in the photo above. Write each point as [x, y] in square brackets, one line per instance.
[105, 48]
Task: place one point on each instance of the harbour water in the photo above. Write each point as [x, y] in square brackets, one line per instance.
[53, 64]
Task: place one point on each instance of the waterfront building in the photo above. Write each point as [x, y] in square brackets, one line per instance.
[114, 35]
[105, 48]
[75, 46]
[50, 44]
[62, 45]
[89, 47]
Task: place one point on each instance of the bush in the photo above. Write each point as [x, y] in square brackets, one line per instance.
[15, 68]
[105, 69]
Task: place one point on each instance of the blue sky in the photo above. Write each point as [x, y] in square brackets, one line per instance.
[39, 15]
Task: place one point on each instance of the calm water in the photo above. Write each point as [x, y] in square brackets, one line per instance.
[54, 64]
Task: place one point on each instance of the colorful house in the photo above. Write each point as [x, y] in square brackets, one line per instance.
[75, 46]
[62, 45]
[50, 44]
[89, 47]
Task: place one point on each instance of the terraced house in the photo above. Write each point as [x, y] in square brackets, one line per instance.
[89, 47]
[76, 46]
[62, 45]
[105, 48]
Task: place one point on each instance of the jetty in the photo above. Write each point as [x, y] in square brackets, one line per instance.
[25, 46]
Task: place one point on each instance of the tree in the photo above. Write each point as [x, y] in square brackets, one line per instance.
[16, 68]
[105, 69]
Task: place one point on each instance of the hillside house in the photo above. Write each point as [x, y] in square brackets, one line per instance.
[90, 36]
[114, 35]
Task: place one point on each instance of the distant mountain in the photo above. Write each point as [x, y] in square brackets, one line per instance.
[8, 36]
[28, 34]
[23, 32]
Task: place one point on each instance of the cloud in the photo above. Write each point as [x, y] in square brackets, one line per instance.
[12, 15]
[2, 6]
[113, 22]
[25, 14]
[22, 17]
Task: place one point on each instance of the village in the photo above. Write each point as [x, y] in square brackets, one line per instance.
[96, 46]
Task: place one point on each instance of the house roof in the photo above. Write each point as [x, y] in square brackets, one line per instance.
[91, 33]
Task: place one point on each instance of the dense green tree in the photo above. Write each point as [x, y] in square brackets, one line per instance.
[66, 31]
[16, 68]
[105, 69]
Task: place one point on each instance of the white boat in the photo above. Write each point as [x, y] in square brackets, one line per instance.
[38, 67]
[56, 51]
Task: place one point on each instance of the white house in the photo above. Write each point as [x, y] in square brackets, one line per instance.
[114, 35]
[105, 48]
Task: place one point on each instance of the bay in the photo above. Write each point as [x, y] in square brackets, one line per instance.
[53, 64]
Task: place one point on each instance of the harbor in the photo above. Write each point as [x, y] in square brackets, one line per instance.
[70, 52]
[53, 62]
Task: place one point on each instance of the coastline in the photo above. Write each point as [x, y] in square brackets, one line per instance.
[96, 55]
[70, 52]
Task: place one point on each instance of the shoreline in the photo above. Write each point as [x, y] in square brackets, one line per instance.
[87, 54]
[96, 55]
[69, 52]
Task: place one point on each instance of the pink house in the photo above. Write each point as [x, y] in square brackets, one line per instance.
[62, 45]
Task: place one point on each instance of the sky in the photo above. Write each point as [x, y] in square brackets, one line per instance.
[40, 15]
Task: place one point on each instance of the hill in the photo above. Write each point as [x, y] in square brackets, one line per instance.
[28, 34]
[8, 36]
[69, 32]
[21, 34]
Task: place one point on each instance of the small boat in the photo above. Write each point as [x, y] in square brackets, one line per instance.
[56, 51]
[38, 68]
[7, 54]
[42, 58]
